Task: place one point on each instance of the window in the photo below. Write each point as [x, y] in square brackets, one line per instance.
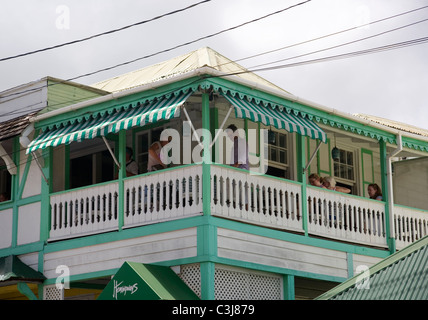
[344, 169]
[278, 151]
[90, 163]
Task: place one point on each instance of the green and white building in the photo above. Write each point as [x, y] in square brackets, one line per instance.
[74, 216]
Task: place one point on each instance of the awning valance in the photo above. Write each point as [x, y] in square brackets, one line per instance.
[280, 119]
[164, 108]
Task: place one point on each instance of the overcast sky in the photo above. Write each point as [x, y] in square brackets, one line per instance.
[391, 84]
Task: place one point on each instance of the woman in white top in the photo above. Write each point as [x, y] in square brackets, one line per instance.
[155, 161]
[330, 183]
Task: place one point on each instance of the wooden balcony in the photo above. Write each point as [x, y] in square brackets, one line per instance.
[261, 200]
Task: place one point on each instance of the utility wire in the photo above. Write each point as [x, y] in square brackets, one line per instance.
[328, 35]
[24, 91]
[169, 49]
[345, 55]
[105, 33]
[343, 44]
[392, 46]
[190, 42]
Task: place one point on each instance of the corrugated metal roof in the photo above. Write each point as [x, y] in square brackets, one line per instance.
[402, 276]
[204, 57]
[394, 124]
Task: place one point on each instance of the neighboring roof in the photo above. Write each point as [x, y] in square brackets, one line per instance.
[394, 124]
[14, 127]
[204, 57]
[20, 103]
[138, 281]
[401, 276]
[12, 269]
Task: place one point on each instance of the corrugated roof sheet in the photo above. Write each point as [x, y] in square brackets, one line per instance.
[402, 276]
[204, 57]
[394, 124]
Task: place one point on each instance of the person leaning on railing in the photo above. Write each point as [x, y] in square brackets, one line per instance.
[375, 192]
[330, 183]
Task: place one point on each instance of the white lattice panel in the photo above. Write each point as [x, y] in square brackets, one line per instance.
[242, 284]
[235, 284]
[53, 293]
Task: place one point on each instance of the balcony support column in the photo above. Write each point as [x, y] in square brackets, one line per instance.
[121, 175]
[301, 177]
[206, 159]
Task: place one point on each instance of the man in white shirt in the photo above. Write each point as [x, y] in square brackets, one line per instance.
[239, 156]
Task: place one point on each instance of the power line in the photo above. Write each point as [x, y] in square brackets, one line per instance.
[191, 42]
[392, 46]
[105, 33]
[328, 35]
[169, 49]
[343, 44]
[251, 21]
[345, 55]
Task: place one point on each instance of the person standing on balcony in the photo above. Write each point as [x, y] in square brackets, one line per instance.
[239, 156]
[374, 191]
[131, 165]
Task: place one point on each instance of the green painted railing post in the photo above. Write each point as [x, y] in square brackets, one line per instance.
[301, 175]
[206, 159]
[122, 174]
[390, 240]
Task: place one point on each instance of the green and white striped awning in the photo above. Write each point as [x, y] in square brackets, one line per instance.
[280, 119]
[164, 108]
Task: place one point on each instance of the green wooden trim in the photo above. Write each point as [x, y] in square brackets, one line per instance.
[26, 291]
[323, 172]
[206, 165]
[22, 249]
[301, 175]
[390, 239]
[289, 287]
[207, 270]
[122, 175]
[21, 186]
[46, 189]
[350, 260]
[364, 182]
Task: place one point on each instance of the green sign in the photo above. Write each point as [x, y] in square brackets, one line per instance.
[137, 281]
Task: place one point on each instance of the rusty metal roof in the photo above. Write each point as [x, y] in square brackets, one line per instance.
[401, 276]
[14, 127]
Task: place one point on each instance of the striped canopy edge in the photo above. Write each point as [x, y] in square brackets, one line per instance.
[280, 119]
[164, 108]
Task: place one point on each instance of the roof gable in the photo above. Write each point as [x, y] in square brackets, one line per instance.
[204, 57]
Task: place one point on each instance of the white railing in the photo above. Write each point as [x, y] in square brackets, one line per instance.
[235, 194]
[257, 199]
[345, 217]
[84, 211]
[410, 225]
[163, 195]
